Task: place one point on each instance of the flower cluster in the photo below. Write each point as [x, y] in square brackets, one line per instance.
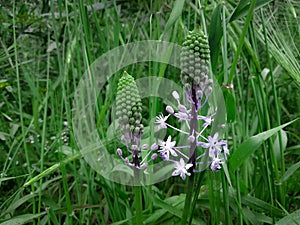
[217, 148]
[128, 112]
[197, 87]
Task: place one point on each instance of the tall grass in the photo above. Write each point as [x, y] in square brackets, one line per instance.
[47, 46]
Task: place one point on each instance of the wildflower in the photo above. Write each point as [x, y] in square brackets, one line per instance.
[161, 121]
[216, 164]
[194, 60]
[181, 168]
[167, 148]
[214, 145]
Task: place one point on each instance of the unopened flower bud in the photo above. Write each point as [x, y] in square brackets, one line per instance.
[119, 152]
[175, 95]
[145, 146]
[182, 108]
[154, 156]
[126, 160]
[134, 147]
[154, 147]
[191, 138]
[208, 91]
[170, 109]
[199, 94]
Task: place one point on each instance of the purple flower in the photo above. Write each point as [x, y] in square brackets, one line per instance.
[207, 120]
[182, 116]
[216, 164]
[214, 145]
[181, 168]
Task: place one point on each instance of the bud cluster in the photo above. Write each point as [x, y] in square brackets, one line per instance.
[194, 61]
[129, 108]
[129, 115]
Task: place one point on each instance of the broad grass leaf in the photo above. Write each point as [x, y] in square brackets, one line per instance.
[284, 140]
[168, 206]
[243, 8]
[14, 205]
[255, 217]
[215, 36]
[290, 171]
[155, 216]
[251, 216]
[260, 205]
[175, 14]
[247, 148]
[230, 107]
[22, 219]
[291, 219]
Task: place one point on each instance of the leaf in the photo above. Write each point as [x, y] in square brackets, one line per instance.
[247, 148]
[215, 36]
[290, 171]
[154, 217]
[259, 204]
[176, 12]
[22, 219]
[19, 202]
[284, 140]
[170, 208]
[291, 219]
[243, 8]
[230, 107]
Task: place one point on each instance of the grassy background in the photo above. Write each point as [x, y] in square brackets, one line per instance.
[46, 47]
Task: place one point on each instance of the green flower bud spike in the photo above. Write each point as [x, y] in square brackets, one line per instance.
[194, 62]
[129, 115]
[129, 109]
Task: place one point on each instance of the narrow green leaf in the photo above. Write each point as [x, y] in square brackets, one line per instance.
[215, 36]
[290, 171]
[230, 107]
[284, 140]
[241, 154]
[19, 202]
[261, 205]
[243, 8]
[22, 219]
[291, 219]
[170, 208]
[154, 217]
[175, 14]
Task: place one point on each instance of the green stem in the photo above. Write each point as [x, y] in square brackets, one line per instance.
[191, 179]
[138, 204]
[196, 194]
[188, 199]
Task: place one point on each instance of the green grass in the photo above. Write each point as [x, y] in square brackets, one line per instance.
[47, 46]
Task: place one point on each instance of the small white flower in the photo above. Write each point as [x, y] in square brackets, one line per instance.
[216, 164]
[161, 121]
[207, 120]
[167, 147]
[214, 145]
[181, 168]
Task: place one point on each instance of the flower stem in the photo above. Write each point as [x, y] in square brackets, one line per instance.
[193, 145]
[138, 201]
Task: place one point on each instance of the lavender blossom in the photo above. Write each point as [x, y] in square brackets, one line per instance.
[197, 88]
